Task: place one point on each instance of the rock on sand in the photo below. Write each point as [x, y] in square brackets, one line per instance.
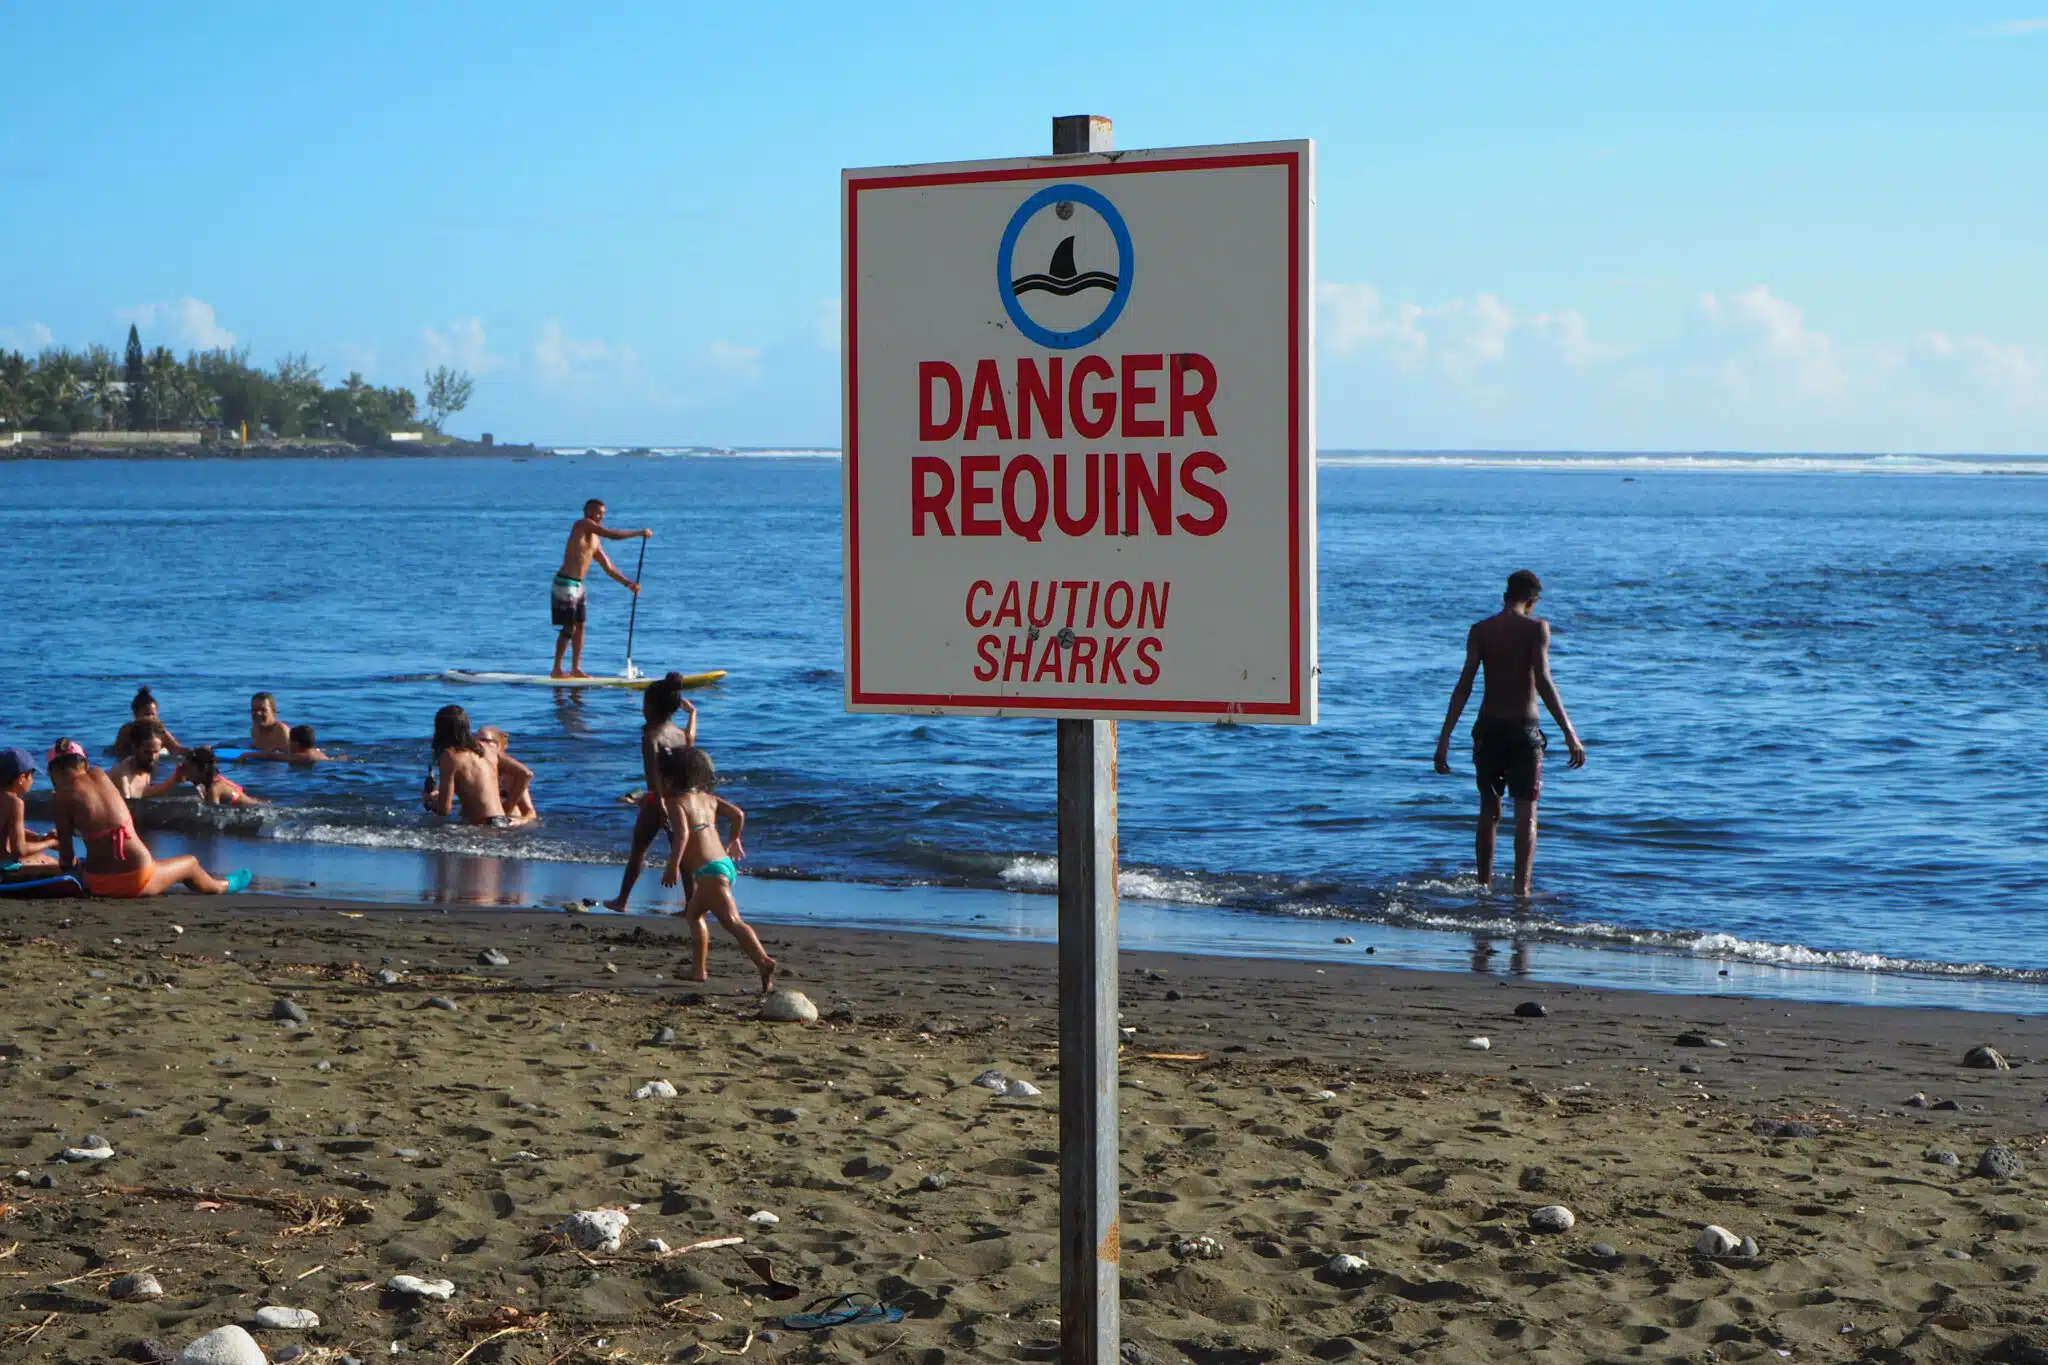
[287, 1319]
[595, 1229]
[1345, 1265]
[2000, 1163]
[223, 1346]
[789, 1007]
[1479, 1044]
[1985, 1059]
[655, 1090]
[415, 1287]
[1553, 1218]
[1715, 1240]
[142, 1285]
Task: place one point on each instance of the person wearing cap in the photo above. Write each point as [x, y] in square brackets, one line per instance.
[20, 846]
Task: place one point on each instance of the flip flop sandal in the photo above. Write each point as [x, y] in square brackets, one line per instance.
[845, 1311]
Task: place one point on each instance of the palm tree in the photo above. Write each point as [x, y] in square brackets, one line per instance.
[56, 384]
[103, 378]
[162, 368]
[14, 390]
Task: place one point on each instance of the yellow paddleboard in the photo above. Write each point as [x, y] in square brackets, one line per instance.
[463, 675]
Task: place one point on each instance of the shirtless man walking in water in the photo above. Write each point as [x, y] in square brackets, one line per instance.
[566, 598]
[1507, 738]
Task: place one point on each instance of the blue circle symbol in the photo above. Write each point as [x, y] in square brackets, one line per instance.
[1007, 284]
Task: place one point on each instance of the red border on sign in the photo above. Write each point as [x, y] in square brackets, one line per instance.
[1012, 702]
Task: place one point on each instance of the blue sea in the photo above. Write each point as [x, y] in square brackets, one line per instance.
[1811, 688]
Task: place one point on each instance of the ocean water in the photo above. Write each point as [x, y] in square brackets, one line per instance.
[1811, 688]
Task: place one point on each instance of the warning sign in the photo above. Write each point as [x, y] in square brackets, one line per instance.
[1079, 470]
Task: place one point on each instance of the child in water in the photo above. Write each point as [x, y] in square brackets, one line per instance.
[203, 772]
[687, 777]
[515, 779]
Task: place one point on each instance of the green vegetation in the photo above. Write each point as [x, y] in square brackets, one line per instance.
[64, 391]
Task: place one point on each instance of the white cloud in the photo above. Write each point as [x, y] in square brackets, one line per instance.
[463, 345]
[2013, 28]
[826, 326]
[1464, 336]
[28, 338]
[560, 356]
[1775, 348]
[1354, 320]
[731, 358]
[188, 322]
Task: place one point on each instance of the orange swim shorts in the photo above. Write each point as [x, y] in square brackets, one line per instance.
[118, 885]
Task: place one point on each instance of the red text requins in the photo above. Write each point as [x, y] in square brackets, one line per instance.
[1122, 492]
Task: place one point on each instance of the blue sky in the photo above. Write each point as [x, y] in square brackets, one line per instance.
[1615, 226]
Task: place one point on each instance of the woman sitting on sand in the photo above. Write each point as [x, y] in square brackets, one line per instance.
[659, 734]
[687, 777]
[136, 776]
[202, 770]
[468, 771]
[117, 863]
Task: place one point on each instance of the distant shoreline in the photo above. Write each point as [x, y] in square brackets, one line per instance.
[265, 450]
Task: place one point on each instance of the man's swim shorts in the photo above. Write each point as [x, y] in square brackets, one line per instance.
[565, 601]
[1507, 756]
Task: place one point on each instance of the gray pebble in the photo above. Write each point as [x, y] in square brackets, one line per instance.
[1917, 1100]
[784, 1115]
[933, 1182]
[95, 1140]
[587, 1047]
[407, 1153]
[663, 1036]
[1941, 1156]
[1699, 1040]
[137, 1114]
[1604, 1251]
[273, 1144]
[1985, 1059]
[1749, 1250]
[149, 1351]
[137, 1286]
[1783, 1128]
[288, 1009]
[2000, 1163]
[387, 977]
[284, 1353]
[323, 1066]
[1958, 1254]
[1531, 1009]
[491, 957]
[1552, 1218]
[1691, 1069]
[441, 1002]
[1945, 1106]
[347, 1128]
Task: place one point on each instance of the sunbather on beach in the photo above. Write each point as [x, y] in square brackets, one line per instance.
[143, 708]
[658, 734]
[687, 779]
[515, 779]
[117, 863]
[202, 770]
[468, 772]
[1507, 740]
[267, 734]
[20, 846]
[136, 775]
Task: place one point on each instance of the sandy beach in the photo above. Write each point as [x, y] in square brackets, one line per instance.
[1276, 1115]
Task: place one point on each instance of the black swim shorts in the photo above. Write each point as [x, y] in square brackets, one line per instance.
[565, 602]
[1507, 756]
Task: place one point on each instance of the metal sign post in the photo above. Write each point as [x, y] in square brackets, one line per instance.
[1091, 1230]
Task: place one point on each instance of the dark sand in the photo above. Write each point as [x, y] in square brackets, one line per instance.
[478, 1129]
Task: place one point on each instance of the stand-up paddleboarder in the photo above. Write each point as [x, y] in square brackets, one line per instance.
[1507, 738]
[566, 598]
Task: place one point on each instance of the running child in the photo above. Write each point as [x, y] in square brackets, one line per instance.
[687, 777]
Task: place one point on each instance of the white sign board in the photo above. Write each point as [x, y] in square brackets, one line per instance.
[1079, 469]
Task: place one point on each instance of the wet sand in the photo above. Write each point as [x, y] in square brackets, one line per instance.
[1332, 1110]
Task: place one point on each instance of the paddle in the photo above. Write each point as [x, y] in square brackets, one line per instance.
[634, 619]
